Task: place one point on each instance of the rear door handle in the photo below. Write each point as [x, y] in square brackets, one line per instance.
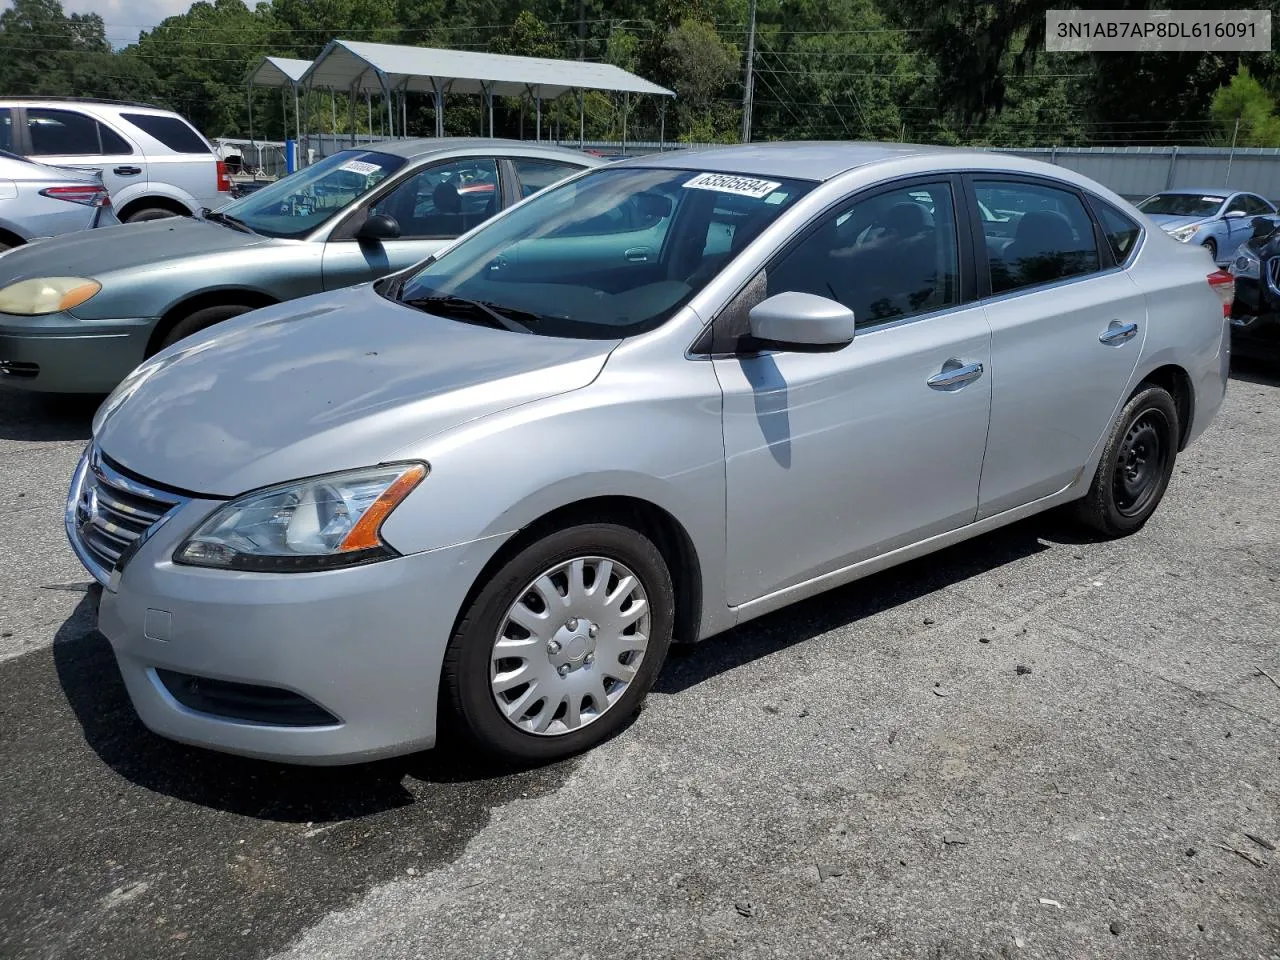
[127, 171]
[1118, 333]
[955, 373]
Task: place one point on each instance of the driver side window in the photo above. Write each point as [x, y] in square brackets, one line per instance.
[445, 200]
[885, 257]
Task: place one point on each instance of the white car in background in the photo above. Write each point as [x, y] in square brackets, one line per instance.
[39, 201]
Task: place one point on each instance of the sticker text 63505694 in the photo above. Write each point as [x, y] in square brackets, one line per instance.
[729, 183]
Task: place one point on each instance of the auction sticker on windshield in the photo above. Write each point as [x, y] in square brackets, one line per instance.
[362, 167]
[728, 183]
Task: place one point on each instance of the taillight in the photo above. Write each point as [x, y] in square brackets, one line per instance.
[1224, 285]
[224, 182]
[88, 194]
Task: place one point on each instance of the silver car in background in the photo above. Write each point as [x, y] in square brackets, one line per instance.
[81, 312]
[38, 201]
[479, 499]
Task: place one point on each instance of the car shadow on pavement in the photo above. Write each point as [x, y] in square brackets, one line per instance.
[692, 664]
[91, 681]
[1256, 370]
[46, 416]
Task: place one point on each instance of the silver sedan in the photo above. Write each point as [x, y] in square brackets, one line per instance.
[38, 201]
[480, 498]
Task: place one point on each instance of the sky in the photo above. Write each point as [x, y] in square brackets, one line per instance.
[124, 18]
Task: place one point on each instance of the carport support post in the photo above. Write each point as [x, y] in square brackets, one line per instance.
[539, 126]
[333, 103]
[582, 123]
[1173, 161]
[297, 126]
[626, 105]
[662, 125]
[404, 108]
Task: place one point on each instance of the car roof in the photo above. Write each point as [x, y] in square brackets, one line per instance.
[130, 105]
[1199, 191]
[426, 146]
[812, 160]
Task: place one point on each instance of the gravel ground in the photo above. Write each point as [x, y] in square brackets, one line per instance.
[1030, 745]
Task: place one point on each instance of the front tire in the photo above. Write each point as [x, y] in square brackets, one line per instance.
[1136, 465]
[558, 650]
[200, 319]
[1212, 246]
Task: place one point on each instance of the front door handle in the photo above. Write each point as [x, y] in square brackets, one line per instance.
[127, 171]
[955, 373]
[1118, 333]
[637, 254]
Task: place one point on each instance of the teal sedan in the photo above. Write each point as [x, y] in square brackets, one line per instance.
[79, 312]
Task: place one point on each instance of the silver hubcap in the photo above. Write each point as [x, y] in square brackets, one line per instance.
[570, 646]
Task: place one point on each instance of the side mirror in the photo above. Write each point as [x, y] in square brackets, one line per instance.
[1234, 214]
[802, 322]
[1262, 227]
[380, 226]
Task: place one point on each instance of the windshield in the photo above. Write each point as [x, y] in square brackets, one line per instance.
[610, 254]
[1181, 205]
[302, 201]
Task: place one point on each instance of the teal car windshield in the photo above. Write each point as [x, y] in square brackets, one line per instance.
[295, 205]
[610, 254]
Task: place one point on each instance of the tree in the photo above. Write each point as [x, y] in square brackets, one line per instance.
[699, 65]
[40, 46]
[1245, 112]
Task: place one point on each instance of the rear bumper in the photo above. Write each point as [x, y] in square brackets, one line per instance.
[59, 353]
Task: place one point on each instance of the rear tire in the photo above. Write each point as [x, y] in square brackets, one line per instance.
[578, 644]
[195, 322]
[150, 213]
[1137, 463]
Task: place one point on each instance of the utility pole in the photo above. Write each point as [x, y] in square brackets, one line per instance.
[751, 58]
[582, 29]
[1232, 155]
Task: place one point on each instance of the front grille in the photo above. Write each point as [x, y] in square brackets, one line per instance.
[108, 511]
[247, 702]
[1273, 271]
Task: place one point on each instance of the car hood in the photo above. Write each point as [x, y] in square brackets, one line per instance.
[330, 382]
[93, 253]
[1168, 222]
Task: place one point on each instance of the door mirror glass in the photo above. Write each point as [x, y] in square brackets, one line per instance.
[379, 226]
[1262, 227]
[1234, 214]
[652, 207]
[801, 321]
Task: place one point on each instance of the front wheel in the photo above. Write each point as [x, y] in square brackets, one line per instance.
[1136, 465]
[1212, 246]
[558, 650]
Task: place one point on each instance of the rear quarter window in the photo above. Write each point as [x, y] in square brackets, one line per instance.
[1122, 233]
[174, 132]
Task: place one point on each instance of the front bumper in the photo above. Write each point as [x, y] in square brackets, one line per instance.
[335, 667]
[58, 353]
[1255, 315]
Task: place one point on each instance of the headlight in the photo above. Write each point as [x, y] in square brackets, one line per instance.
[32, 298]
[1245, 265]
[317, 524]
[1184, 233]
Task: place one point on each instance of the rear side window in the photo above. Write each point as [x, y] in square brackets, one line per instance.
[1122, 233]
[174, 132]
[1052, 235]
[66, 133]
[536, 174]
[6, 128]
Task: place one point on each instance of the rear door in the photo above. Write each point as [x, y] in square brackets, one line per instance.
[1067, 327]
[432, 205]
[177, 155]
[71, 138]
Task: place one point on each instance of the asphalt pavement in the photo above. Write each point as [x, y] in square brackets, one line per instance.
[1034, 744]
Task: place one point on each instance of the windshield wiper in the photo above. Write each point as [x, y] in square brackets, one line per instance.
[497, 315]
[226, 219]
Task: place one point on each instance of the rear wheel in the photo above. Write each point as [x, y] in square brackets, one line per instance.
[150, 213]
[200, 319]
[559, 648]
[1136, 465]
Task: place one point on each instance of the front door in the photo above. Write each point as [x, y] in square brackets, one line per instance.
[432, 206]
[833, 458]
[1064, 333]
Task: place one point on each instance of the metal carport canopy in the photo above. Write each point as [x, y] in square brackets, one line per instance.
[374, 67]
[278, 72]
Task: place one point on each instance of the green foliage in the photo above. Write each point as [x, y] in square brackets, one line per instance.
[1245, 112]
[951, 71]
